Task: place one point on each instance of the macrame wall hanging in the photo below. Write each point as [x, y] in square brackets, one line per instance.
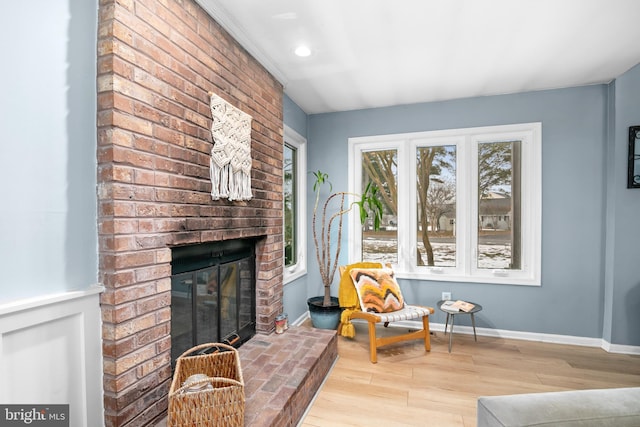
[230, 164]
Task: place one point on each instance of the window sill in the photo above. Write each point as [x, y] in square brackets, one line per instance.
[487, 279]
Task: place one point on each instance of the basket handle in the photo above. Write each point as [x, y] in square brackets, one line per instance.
[207, 345]
[228, 381]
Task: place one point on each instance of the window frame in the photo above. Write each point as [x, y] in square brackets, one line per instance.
[299, 143]
[465, 140]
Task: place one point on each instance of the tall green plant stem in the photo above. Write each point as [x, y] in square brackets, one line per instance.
[328, 262]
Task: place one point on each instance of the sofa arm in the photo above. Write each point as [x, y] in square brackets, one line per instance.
[619, 407]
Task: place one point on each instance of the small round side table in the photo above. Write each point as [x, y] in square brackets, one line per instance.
[475, 309]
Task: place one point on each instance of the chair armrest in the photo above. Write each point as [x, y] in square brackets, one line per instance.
[431, 310]
[369, 317]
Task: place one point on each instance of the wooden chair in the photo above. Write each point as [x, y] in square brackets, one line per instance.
[408, 312]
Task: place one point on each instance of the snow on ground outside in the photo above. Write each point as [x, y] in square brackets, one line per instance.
[497, 256]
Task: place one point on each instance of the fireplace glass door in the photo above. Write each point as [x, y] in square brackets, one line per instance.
[214, 301]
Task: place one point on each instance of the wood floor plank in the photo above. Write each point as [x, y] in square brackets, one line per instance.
[332, 413]
[437, 399]
[584, 379]
[411, 387]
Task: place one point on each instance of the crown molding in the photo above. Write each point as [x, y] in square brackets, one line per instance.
[216, 10]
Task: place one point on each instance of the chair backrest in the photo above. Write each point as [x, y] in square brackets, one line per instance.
[347, 294]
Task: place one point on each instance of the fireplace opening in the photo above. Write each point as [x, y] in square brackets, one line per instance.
[212, 294]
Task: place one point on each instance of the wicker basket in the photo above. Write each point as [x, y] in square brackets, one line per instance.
[222, 404]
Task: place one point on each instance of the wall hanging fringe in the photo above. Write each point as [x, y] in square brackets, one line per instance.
[230, 164]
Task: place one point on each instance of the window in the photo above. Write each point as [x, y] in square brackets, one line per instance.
[290, 204]
[459, 205]
[294, 186]
[380, 166]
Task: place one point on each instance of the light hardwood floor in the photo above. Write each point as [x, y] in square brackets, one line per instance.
[408, 387]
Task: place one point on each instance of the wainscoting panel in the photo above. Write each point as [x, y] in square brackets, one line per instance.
[50, 353]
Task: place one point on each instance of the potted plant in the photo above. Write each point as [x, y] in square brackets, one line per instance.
[325, 310]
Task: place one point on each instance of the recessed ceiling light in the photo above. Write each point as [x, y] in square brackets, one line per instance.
[302, 51]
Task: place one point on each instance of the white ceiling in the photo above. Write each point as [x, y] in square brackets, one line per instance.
[375, 53]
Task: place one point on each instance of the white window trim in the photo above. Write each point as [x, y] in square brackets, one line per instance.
[292, 272]
[466, 141]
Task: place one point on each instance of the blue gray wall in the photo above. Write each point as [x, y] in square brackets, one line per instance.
[48, 228]
[576, 133]
[294, 117]
[295, 292]
[622, 266]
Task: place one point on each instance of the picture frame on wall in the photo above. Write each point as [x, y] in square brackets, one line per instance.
[633, 178]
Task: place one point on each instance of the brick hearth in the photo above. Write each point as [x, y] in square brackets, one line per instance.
[282, 374]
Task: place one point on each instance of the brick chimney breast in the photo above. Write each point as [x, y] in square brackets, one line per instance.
[157, 62]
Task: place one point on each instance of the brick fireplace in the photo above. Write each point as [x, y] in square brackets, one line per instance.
[157, 61]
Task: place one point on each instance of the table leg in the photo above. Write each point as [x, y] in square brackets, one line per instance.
[473, 322]
[446, 323]
[453, 317]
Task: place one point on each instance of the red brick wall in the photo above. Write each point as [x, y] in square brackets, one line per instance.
[157, 61]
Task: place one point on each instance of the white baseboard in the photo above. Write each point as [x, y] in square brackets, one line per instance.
[525, 336]
[300, 320]
[622, 349]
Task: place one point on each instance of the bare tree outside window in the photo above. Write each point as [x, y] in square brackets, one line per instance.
[290, 219]
[381, 168]
[436, 174]
[499, 205]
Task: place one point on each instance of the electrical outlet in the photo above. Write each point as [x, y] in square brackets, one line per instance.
[446, 296]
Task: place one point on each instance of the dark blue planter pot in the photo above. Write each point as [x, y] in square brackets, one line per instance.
[324, 317]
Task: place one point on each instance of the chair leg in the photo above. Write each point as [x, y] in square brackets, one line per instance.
[427, 334]
[373, 354]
